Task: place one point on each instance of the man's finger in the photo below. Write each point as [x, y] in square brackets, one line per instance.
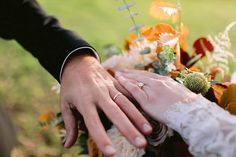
[120, 88]
[71, 125]
[119, 119]
[132, 112]
[97, 131]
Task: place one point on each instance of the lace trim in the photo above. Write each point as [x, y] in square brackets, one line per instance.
[209, 130]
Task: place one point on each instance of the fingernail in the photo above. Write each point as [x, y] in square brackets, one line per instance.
[109, 150]
[147, 128]
[139, 141]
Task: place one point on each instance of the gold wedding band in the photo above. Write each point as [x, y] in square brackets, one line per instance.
[117, 94]
[140, 85]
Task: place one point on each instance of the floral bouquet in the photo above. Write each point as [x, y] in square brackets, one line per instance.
[162, 49]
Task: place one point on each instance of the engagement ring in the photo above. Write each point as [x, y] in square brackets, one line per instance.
[140, 85]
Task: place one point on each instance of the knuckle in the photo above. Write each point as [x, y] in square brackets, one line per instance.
[152, 99]
[152, 80]
[159, 83]
[108, 102]
[65, 109]
[134, 88]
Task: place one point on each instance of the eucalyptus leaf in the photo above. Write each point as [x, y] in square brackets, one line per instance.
[139, 39]
[132, 15]
[146, 50]
[126, 6]
[136, 27]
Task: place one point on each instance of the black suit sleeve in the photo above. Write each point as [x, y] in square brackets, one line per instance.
[40, 34]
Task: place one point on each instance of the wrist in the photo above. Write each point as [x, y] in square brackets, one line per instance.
[78, 62]
[165, 108]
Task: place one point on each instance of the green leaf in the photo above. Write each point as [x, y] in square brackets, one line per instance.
[167, 55]
[126, 6]
[135, 28]
[132, 15]
[146, 50]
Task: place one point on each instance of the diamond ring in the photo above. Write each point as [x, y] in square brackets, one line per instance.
[140, 85]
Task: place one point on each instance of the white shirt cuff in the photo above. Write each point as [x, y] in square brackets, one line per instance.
[80, 48]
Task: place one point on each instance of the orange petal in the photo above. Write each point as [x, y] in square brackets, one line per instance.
[231, 107]
[194, 68]
[165, 28]
[162, 10]
[183, 35]
[229, 96]
[218, 90]
[153, 33]
[92, 148]
[150, 33]
[129, 40]
[46, 117]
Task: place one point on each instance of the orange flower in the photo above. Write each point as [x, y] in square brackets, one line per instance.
[129, 40]
[153, 33]
[182, 39]
[150, 33]
[174, 74]
[162, 10]
[93, 149]
[217, 91]
[46, 117]
[194, 69]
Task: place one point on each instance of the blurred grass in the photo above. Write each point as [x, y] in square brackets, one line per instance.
[25, 87]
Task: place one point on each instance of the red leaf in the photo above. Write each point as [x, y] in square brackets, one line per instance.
[184, 57]
[202, 45]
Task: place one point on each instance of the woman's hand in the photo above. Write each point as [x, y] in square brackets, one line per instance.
[154, 93]
[87, 87]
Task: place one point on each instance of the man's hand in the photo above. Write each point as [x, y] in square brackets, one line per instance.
[87, 87]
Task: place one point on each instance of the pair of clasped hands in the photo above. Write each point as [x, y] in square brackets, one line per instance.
[87, 87]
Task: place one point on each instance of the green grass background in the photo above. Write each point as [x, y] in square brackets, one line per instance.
[25, 87]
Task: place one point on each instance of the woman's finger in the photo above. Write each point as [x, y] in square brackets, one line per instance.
[71, 125]
[137, 77]
[145, 73]
[120, 120]
[139, 94]
[120, 88]
[132, 112]
[97, 131]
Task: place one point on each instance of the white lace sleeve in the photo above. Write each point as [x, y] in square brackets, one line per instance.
[208, 130]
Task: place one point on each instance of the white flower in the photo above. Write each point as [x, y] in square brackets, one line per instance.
[132, 58]
[169, 10]
[222, 45]
[168, 39]
[122, 145]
